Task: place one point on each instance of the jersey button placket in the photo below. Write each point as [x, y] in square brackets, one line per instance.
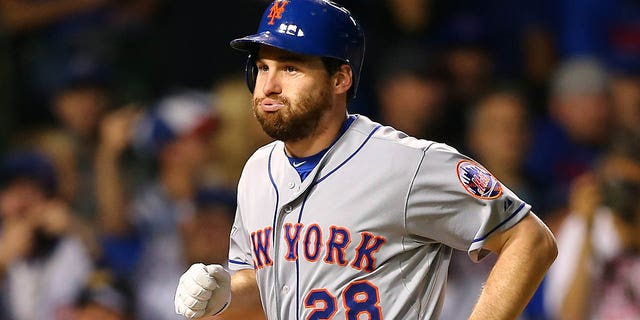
[285, 289]
[288, 208]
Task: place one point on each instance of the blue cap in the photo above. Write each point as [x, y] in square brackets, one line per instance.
[212, 196]
[30, 165]
[310, 27]
[174, 116]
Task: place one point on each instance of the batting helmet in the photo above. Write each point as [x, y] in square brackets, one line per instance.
[310, 27]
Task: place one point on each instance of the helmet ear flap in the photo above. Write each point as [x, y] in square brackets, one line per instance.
[251, 73]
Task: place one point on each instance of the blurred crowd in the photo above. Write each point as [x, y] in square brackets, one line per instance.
[124, 126]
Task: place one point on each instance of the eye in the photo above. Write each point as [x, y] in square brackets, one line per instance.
[290, 69]
[263, 67]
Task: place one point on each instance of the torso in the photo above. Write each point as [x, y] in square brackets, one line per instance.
[337, 245]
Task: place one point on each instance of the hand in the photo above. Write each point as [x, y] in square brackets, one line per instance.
[585, 196]
[16, 240]
[203, 291]
[54, 217]
[116, 129]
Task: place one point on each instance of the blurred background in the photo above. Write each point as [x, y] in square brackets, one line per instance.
[124, 126]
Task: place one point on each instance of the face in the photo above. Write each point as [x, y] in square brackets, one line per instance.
[20, 198]
[499, 133]
[211, 224]
[188, 153]
[586, 117]
[292, 94]
[410, 103]
[80, 110]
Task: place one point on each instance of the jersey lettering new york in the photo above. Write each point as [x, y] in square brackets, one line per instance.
[333, 248]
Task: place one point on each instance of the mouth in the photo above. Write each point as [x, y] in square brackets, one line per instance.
[270, 105]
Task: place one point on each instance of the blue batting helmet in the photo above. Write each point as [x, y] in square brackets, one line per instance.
[310, 27]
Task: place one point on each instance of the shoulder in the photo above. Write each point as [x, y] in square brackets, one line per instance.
[262, 154]
[443, 151]
[259, 160]
[395, 146]
[388, 137]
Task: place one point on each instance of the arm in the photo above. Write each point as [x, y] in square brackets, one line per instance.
[584, 198]
[114, 138]
[575, 303]
[16, 240]
[525, 252]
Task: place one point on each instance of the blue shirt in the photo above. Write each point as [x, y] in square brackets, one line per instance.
[305, 165]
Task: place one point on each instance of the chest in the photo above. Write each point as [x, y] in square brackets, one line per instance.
[333, 218]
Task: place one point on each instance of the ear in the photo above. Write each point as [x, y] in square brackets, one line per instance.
[343, 79]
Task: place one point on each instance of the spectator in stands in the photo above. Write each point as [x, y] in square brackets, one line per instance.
[176, 133]
[596, 273]
[411, 93]
[210, 224]
[576, 131]
[499, 133]
[43, 264]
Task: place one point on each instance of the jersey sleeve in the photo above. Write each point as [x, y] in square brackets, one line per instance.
[455, 201]
[239, 245]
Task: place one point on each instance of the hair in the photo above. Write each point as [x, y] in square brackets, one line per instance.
[506, 88]
[332, 65]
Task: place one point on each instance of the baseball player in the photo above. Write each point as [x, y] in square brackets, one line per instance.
[344, 218]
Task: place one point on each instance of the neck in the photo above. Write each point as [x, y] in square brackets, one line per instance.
[327, 131]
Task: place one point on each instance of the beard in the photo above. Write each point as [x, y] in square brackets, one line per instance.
[296, 120]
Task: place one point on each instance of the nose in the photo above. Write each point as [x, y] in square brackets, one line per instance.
[271, 84]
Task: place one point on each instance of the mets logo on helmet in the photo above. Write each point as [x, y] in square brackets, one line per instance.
[276, 11]
[478, 181]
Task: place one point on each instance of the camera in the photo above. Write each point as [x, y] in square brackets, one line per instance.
[621, 195]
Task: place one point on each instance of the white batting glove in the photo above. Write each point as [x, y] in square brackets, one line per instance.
[203, 291]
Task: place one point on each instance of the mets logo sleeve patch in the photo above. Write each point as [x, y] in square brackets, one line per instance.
[478, 181]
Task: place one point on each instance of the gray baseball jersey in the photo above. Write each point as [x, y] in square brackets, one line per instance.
[369, 233]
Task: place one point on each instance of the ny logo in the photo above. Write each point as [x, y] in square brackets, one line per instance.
[276, 11]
